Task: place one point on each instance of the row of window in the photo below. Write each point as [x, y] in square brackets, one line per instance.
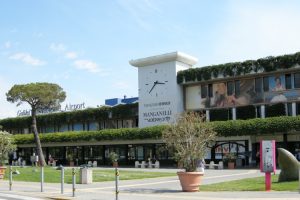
[91, 126]
[249, 112]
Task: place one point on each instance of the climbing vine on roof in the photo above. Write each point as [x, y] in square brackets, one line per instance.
[268, 64]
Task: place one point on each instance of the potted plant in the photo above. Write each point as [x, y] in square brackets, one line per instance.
[230, 159]
[7, 146]
[113, 157]
[189, 136]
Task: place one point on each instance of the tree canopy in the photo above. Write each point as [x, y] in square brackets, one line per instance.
[7, 145]
[37, 95]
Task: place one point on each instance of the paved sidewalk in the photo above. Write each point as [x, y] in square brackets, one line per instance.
[146, 189]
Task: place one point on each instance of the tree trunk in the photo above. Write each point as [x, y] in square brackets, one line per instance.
[37, 138]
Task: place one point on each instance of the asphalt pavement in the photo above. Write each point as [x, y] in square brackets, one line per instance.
[145, 189]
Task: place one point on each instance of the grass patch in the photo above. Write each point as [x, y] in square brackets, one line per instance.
[251, 184]
[51, 175]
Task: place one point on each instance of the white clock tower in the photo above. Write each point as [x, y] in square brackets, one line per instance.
[160, 97]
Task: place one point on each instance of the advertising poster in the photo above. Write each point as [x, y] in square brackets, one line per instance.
[246, 95]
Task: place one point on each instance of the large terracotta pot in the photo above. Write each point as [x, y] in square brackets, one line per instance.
[72, 163]
[2, 172]
[115, 164]
[230, 165]
[190, 181]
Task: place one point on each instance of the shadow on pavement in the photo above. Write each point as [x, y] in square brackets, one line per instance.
[153, 191]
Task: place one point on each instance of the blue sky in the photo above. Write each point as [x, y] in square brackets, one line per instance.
[85, 46]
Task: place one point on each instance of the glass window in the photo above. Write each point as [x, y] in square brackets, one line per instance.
[93, 126]
[266, 83]
[297, 80]
[237, 87]
[289, 109]
[288, 81]
[78, 127]
[297, 108]
[258, 85]
[210, 90]
[258, 112]
[230, 88]
[203, 91]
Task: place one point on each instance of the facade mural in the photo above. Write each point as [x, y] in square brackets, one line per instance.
[271, 89]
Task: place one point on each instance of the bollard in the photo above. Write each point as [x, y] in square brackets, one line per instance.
[10, 178]
[73, 181]
[42, 179]
[117, 183]
[62, 180]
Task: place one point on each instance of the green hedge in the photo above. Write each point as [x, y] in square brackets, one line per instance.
[267, 64]
[223, 128]
[90, 114]
[107, 134]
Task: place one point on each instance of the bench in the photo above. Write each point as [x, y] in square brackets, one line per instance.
[212, 165]
[153, 165]
[143, 164]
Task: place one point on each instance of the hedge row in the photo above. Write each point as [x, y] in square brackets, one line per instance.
[90, 114]
[268, 64]
[257, 126]
[223, 128]
[107, 134]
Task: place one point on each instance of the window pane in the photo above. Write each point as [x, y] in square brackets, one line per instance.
[266, 84]
[258, 112]
[297, 80]
[289, 109]
[210, 90]
[230, 88]
[203, 91]
[258, 85]
[237, 87]
[297, 108]
[288, 81]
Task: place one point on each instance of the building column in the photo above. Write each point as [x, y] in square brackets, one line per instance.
[233, 113]
[263, 111]
[294, 109]
[207, 115]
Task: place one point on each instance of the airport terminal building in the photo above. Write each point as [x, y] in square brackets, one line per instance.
[170, 84]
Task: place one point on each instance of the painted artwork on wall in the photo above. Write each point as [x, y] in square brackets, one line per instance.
[242, 94]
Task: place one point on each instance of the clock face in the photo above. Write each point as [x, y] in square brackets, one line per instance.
[156, 82]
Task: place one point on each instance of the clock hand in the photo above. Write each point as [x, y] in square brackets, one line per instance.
[154, 84]
[159, 82]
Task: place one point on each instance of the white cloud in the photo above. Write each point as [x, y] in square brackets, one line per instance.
[141, 11]
[8, 109]
[7, 44]
[27, 59]
[255, 30]
[87, 65]
[38, 34]
[58, 48]
[121, 85]
[71, 55]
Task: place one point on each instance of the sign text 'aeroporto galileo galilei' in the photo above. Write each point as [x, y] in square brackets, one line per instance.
[68, 107]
